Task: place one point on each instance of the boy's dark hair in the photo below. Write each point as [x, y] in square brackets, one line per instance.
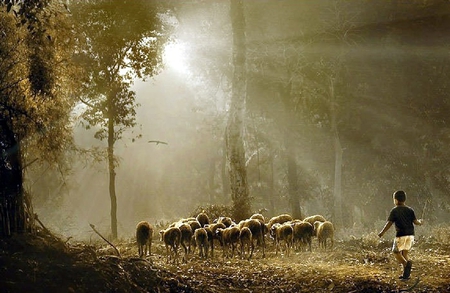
[400, 195]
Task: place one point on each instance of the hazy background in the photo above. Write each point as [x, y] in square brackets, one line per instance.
[393, 119]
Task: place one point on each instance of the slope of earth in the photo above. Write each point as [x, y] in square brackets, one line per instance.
[44, 264]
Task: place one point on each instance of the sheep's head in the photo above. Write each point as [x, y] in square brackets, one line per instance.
[273, 230]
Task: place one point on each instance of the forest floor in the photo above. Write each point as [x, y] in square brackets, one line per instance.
[41, 263]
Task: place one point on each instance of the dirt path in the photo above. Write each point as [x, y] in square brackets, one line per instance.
[344, 269]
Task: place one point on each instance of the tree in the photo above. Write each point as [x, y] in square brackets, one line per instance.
[35, 102]
[123, 41]
[235, 126]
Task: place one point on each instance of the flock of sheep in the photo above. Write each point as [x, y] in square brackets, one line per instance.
[201, 233]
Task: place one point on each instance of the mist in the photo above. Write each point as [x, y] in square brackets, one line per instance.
[392, 120]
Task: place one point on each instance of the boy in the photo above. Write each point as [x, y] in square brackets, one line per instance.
[404, 219]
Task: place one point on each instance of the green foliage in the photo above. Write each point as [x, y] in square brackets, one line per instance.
[35, 103]
[36, 80]
[119, 41]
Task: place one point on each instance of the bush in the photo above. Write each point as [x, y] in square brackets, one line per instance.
[441, 234]
[214, 211]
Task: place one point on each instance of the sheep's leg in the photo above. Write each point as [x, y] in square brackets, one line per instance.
[212, 248]
[168, 252]
[185, 252]
[176, 260]
[263, 246]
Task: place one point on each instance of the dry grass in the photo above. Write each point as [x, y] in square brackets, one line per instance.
[363, 264]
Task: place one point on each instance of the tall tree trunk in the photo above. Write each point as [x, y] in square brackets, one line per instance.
[272, 185]
[292, 177]
[235, 126]
[211, 175]
[225, 179]
[338, 160]
[12, 201]
[291, 161]
[112, 171]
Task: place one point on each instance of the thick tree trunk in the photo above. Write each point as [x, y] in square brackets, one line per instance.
[12, 201]
[235, 126]
[112, 173]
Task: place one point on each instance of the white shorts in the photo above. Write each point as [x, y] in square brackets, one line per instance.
[403, 243]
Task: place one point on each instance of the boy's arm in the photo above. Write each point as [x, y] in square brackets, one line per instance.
[385, 228]
[418, 222]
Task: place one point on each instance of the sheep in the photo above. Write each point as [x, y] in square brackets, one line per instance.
[194, 226]
[144, 234]
[258, 230]
[227, 221]
[324, 230]
[313, 219]
[201, 239]
[210, 238]
[211, 230]
[228, 236]
[258, 217]
[203, 219]
[183, 220]
[245, 239]
[171, 238]
[282, 232]
[302, 233]
[186, 238]
[279, 219]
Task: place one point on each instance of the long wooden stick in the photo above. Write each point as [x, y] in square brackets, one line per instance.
[98, 233]
[46, 230]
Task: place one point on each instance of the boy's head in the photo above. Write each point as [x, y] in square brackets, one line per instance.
[399, 196]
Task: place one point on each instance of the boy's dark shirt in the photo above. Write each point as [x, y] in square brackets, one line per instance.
[403, 216]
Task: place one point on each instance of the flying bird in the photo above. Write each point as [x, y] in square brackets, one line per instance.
[157, 142]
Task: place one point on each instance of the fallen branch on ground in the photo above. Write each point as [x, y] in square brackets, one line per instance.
[98, 233]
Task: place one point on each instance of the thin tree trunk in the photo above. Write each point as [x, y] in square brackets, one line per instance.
[293, 183]
[272, 186]
[338, 160]
[225, 179]
[235, 126]
[112, 172]
[291, 161]
[211, 173]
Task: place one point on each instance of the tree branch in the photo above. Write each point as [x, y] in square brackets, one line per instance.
[112, 245]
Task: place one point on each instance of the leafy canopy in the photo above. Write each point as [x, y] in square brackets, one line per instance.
[119, 42]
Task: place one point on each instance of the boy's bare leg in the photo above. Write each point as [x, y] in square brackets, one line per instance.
[405, 254]
[400, 257]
